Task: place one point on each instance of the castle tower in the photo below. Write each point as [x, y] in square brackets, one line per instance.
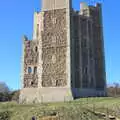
[47, 72]
[65, 59]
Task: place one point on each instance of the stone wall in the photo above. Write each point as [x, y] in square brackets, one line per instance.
[98, 46]
[30, 63]
[88, 49]
[54, 41]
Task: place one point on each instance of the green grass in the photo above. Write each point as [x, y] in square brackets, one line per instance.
[81, 109]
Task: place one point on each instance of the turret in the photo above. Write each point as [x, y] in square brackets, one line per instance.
[55, 4]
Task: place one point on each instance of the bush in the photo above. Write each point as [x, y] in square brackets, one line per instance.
[5, 115]
[15, 95]
[5, 97]
[4, 92]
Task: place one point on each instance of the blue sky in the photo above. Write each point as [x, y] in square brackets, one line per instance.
[16, 19]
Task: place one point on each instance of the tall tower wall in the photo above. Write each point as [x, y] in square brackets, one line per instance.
[54, 47]
[98, 40]
[88, 66]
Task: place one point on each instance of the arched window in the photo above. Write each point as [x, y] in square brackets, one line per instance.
[29, 70]
[32, 83]
[35, 70]
[36, 49]
[37, 34]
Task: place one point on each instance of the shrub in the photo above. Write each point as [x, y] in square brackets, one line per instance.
[5, 115]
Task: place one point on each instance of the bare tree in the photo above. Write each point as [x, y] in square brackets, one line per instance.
[4, 92]
[4, 88]
[116, 87]
[114, 90]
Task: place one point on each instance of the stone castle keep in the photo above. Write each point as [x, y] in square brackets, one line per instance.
[65, 58]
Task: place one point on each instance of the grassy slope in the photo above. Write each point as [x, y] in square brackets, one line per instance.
[75, 110]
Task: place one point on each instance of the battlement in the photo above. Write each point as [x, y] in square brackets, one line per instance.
[85, 9]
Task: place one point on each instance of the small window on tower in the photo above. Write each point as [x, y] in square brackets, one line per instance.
[37, 30]
[32, 83]
[36, 49]
[29, 70]
[35, 70]
[85, 70]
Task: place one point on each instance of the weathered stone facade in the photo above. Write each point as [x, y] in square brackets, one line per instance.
[54, 41]
[65, 59]
[30, 63]
[88, 48]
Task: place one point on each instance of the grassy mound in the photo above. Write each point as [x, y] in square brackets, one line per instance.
[82, 109]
